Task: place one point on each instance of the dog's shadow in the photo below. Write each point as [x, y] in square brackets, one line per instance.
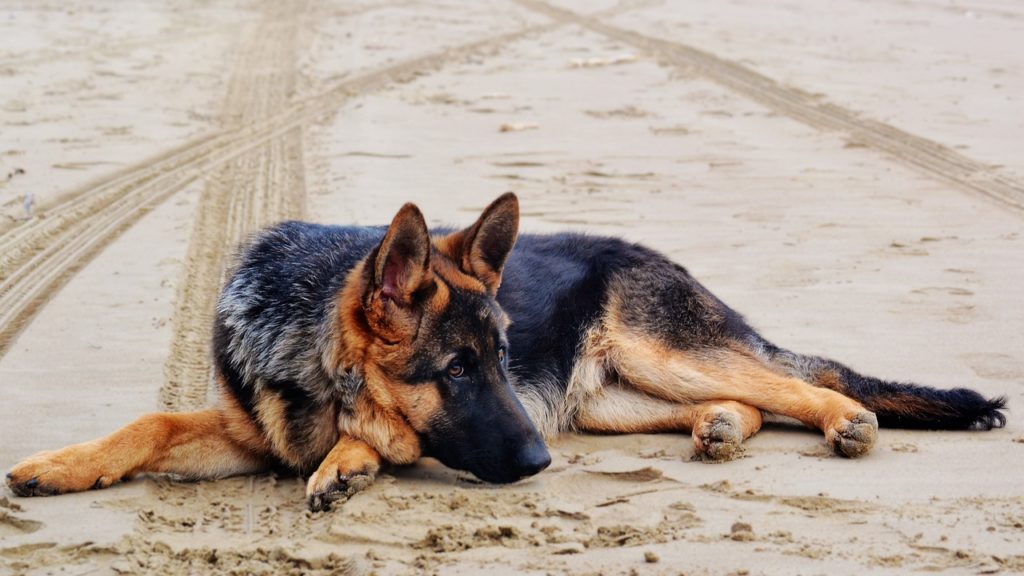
[431, 472]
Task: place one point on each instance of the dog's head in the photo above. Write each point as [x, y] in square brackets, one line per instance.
[439, 355]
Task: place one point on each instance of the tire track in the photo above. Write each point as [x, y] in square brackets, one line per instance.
[919, 153]
[263, 186]
[113, 48]
[37, 257]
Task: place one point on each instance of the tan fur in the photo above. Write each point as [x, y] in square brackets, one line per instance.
[349, 457]
[379, 418]
[589, 375]
[831, 380]
[192, 444]
[385, 431]
[353, 456]
[750, 417]
[466, 247]
[456, 247]
[271, 414]
[616, 409]
[439, 300]
[417, 402]
[451, 245]
[619, 409]
[238, 426]
[408, 222]
[717, 428]
[392, 316]
[348, 345]
[901, 402]
[725, 373]
[446, 267]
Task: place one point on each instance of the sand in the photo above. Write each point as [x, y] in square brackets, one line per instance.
[849, 177]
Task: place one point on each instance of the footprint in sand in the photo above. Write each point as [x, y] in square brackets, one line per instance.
[995, 366]
[932, 300]
[623, 112]
[10, 524]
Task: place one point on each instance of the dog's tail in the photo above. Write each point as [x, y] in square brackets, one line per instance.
[897, 404]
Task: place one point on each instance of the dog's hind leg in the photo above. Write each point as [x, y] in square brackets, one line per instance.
[718, 428]
[725, 373]
[205, 444]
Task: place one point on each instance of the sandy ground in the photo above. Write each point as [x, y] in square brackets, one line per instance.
[849, 177]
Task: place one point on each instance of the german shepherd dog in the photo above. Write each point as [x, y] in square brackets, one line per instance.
[340, 348]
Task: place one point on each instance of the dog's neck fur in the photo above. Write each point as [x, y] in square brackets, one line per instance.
[353, 340]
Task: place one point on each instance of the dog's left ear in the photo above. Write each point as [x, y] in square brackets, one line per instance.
[481, 249]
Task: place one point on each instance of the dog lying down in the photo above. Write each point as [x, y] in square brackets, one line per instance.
[339, 348]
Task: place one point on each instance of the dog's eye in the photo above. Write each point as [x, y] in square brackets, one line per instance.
[502, 354]
[455, 369]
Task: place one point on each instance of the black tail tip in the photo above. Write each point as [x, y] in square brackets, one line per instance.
[990, 415]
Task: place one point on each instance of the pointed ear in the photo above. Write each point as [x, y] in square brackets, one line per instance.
[400, 270]
[481, 249]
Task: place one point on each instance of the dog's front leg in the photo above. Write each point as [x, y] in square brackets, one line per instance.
[369, 436]
[349, 467]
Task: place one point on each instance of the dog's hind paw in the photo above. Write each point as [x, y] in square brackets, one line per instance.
[853, 436]
[719, 438]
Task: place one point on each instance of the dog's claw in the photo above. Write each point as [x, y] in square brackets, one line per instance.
[30, 487]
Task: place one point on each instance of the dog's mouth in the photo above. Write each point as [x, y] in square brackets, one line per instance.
[527, 463]
[497, 477]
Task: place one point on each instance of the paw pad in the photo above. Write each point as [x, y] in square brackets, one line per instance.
[854, 436]
[719, 439]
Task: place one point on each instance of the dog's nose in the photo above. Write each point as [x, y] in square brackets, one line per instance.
[532, 458]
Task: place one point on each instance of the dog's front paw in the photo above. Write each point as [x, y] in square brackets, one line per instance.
[326, 487]
[853, 435]
[73, 469]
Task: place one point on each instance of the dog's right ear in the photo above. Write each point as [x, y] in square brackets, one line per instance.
[400, 271]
